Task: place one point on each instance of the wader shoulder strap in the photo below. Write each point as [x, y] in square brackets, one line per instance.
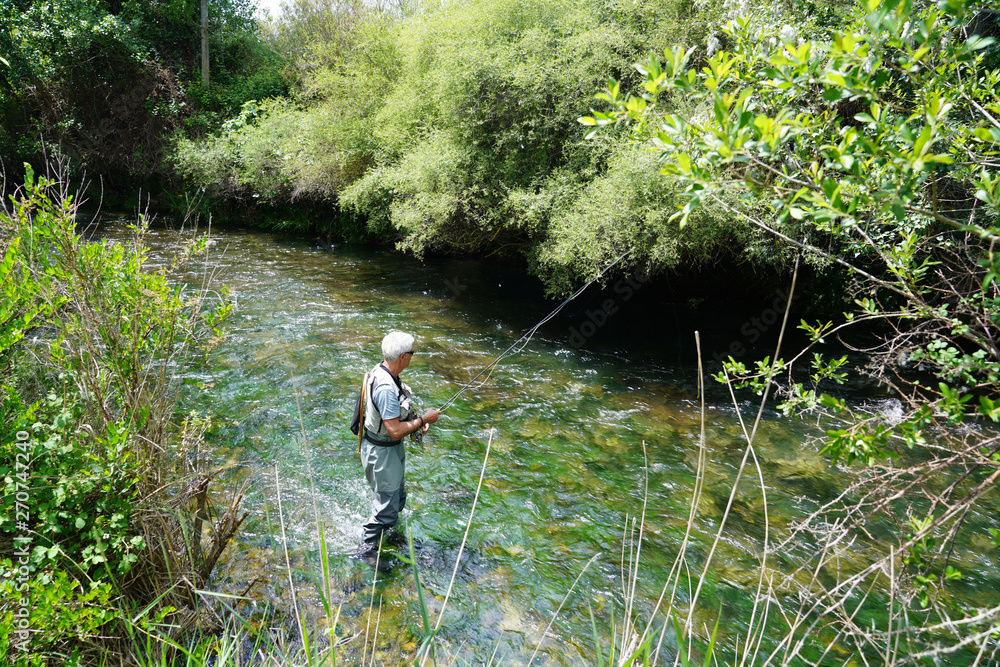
[399, 383]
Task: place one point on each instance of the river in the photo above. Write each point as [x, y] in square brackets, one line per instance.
[595, 421]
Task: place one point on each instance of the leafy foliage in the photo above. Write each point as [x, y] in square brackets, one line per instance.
[81, 492]
[63, 607]
[470, 142]
[877, 149]
[108, 83]
[79, 414]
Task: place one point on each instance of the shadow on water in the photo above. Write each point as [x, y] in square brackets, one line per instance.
[566, 474]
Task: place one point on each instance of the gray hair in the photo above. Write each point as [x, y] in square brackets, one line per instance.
[395, 344]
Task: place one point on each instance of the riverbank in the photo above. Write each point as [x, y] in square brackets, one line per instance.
[103, 505]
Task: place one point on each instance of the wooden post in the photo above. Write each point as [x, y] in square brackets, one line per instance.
[204, 43]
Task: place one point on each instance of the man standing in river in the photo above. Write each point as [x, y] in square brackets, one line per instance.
[387, 420]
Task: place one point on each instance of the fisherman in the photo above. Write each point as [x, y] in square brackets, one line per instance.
[388, 418]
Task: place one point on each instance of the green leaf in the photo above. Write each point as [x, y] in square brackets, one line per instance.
[952, 7]
[989, 408]
[979, 42]
[684, 162]
[830, 187]
[922, 144]
[830, 402]
[988, 134]
[597, 637]
[710, 651]
[836, 79]
[721, 111]
[681, 648]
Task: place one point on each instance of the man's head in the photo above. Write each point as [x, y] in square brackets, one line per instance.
[396, 344]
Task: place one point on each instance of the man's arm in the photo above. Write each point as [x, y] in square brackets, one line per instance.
[398, 430]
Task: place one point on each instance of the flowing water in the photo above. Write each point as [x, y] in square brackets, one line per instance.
[583, 420]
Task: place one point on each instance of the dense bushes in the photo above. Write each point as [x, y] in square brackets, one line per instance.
[455, 128]
[485, 108]
[71, 67]
[88, 425]
[108, 84]
[433, 126]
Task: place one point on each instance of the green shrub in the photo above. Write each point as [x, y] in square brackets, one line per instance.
[81, 485]
[483, 108]
[454, 128]
[83, 423]
[628, 206]
[108, 84]
[63, 611]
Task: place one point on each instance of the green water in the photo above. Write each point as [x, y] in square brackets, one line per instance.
[566, 474]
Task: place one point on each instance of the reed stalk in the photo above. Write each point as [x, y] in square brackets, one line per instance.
[461, 548]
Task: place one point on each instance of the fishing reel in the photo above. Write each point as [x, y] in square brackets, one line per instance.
[418, 435]
[406, 407]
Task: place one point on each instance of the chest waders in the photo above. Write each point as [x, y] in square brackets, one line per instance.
[383, 458]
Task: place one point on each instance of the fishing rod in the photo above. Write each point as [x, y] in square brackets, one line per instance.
[526, 337]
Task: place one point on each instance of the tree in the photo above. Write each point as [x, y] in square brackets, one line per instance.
[108, 83]
[877, 150]
[452, 127]
[204, 43]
